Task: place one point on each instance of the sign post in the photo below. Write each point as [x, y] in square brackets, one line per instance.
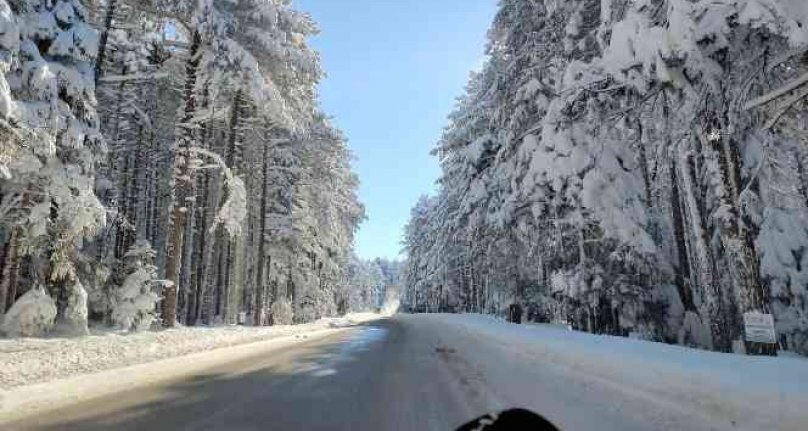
[758, 328]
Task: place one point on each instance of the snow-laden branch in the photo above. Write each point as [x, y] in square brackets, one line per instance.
[133, 77]
[5, 125]
[786, 106]
[234, 210]
[8, 204]
[207, 115]
[776, 94]
[144, 118]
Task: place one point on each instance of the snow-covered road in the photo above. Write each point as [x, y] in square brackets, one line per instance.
[434, 372]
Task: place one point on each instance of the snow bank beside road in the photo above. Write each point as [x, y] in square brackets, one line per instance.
[32, 360]
[725, 391]
[581, 349]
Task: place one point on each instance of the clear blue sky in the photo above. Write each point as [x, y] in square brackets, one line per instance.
[394, 70]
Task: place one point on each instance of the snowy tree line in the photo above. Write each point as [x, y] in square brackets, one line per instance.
[167, 161]
[374, 284]
[627, 167]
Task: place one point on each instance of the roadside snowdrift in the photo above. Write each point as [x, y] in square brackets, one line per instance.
[29, 360]
[726, 391]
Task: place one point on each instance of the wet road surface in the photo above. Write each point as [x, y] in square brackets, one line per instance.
[367, 378]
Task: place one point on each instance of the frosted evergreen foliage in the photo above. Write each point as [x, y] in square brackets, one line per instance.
[207, 187]
[133, 303]
[626, 167]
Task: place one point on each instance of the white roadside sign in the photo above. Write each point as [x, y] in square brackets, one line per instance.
[759, 328]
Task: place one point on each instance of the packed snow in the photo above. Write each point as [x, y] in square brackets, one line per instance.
[722, 391]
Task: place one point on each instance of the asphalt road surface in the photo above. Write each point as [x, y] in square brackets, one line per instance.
[366, 378]
[403, 373]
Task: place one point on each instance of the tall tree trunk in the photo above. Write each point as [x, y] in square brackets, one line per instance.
[143, 172]
[10, 270]
[234, 158]
[183, 184]
[643, 159]
[103, 40]
[216, 271]
[238, 273]
[125, 235]
[712, 308]
[153, 224]
[738, 241]
[472, 286]
[209, 307]
[197, 240]
[683, 268]
[802, 171]
[196, 288]
[206, 247]
[3, 252]
[115, 171]
[258, 311]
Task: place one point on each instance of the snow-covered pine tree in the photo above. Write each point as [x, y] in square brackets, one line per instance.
[612, 166]
[51, 101]
[247, 80]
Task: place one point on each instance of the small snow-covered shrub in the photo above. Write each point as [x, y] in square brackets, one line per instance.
[31, 316]
[133, 303]
[133, 306]
[282, 313]
[74, 320]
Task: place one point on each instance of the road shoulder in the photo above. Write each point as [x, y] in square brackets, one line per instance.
[28, 400]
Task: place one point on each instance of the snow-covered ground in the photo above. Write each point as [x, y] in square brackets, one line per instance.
[722, 391]
[426, 371]
[28, 361]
